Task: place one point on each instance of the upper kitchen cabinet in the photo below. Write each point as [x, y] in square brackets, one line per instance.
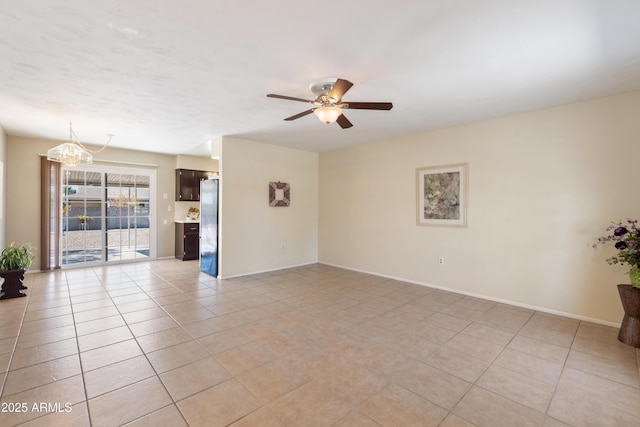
[188, 184]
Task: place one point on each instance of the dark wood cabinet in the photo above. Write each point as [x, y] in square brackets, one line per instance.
[188, 184]
[187, 240]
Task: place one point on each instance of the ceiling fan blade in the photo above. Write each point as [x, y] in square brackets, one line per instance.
[290, 98]
[340, 87]
[368, 105]
[297, 116]
[344, 122]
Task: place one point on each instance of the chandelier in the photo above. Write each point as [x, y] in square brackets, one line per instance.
[73, 153]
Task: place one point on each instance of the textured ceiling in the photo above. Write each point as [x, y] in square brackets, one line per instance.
[169, 76]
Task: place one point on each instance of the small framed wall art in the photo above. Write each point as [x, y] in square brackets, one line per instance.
[442, 195]
[279, 194]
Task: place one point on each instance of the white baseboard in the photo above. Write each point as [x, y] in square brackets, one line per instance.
[233, 276]
[475, 295]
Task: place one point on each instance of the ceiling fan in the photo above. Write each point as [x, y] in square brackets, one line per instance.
[329, 105]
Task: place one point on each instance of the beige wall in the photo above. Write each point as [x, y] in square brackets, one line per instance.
[252, 232]
[23, 190]
[3, 185]
[542, 186]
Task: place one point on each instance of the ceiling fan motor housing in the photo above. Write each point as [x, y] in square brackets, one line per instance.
[322, 88]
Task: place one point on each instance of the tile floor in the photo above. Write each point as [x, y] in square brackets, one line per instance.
[159, 344]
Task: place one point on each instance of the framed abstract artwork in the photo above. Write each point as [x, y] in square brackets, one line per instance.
[279, 194]
[442, 195]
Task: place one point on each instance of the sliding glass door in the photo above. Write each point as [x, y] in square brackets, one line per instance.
[106, 215]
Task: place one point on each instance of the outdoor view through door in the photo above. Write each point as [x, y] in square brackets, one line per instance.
[105, 215]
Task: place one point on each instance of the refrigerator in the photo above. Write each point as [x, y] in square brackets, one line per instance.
[209, 226]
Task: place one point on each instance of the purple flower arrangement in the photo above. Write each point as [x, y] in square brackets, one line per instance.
[627, 242]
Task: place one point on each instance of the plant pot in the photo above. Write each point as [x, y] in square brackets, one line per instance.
[630, 327]
[12, 283]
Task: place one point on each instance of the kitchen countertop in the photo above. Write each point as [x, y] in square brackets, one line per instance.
[187, 221]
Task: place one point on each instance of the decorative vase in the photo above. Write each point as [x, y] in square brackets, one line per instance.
[630, 327]
[12, 283]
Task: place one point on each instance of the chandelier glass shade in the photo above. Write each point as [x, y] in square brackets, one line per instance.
[70, 153]
[73, 153]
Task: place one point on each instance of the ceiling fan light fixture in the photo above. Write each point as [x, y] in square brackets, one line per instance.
[327, 114]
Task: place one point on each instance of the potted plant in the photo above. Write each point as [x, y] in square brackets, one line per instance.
[627, 242]
[14, 261]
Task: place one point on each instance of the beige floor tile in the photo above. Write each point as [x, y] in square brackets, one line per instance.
[486, 409]
[4, 362]
[45, 337]
[142, 315]
[130, 298]
[310, 405]
[175, 356]
[396, 406]
[488, 334]
[550, 352]
[386, 360]
[7, 344]
[130, 307]
[92, 305]
[581, 397]
[151, 326]
[244, 357]
[107, 355]
[128, 403]
[103, 338]
[414, 346]
[506, 318]
[552, 422]
[431, 332]
[262, 417]
[68, 390]
[207, 327]
[272, 380]
[458, 364]
[353, 383]
[307, 342]
[47, 313]
[117, 375]
[455, 421]
[191, 316]
[168, 416]
[529, 365]
[517, 387]
[46, 324]
[100, 313]
[625, 372]
[478, 348]
[193, 378]
[437, 386]
[614, 350]
[218, 406]
[225, 340]
[163, 339]
[38, 375]
[99, 325]
[73, 416]
[279, 343]
[356, 419]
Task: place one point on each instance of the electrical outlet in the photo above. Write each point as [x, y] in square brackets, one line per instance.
[169, 208]
[441, 260]
[282, 247]
[166, 222]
